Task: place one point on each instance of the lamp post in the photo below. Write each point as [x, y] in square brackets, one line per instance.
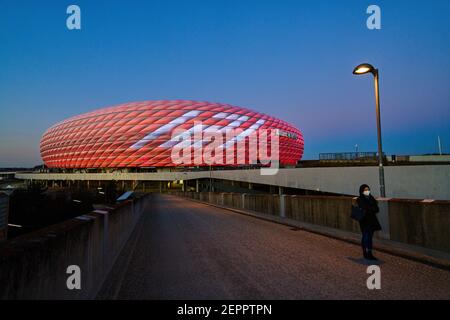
[360, 70]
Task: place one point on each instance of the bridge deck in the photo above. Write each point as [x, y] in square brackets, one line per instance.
[410, 182]
[188, 250]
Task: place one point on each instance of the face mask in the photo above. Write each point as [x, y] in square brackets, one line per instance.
[367, 193]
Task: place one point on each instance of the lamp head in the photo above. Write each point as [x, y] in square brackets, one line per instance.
[364, 68]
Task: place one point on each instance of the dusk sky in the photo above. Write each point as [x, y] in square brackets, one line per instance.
[289, 59]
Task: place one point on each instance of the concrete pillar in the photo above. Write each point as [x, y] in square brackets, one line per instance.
[196, 185]
[88, 184]
[105, 243]
[160, 187]
[383, 217]
[183, 186]
[280, 191]
[283, 206]
[243, 200]
[250, 186]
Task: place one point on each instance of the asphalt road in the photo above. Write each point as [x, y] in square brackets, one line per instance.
[187, 250]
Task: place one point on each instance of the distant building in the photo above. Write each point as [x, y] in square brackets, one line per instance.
[7, 175]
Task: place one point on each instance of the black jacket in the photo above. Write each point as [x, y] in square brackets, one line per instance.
[370, 207]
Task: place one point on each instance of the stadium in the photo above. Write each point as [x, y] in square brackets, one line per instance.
[142, 134]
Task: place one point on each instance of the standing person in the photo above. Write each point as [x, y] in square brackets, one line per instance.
[369, 224]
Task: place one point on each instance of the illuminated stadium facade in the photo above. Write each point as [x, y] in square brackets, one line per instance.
[144, 134]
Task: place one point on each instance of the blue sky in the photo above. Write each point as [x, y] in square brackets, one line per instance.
[290, 59]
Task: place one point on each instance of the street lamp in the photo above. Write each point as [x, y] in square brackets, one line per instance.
[364, 69]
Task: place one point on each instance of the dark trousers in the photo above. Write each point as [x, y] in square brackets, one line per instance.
[367, 239]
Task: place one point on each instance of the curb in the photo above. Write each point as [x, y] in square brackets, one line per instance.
[345, 236]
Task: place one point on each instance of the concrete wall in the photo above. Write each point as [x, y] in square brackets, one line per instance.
[34, 266]
[418, 182]
[425, 158]
[331, 212]
[415, 182]
[267, 203]
[420, 223]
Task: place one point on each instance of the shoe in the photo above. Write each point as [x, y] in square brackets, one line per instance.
[370, 256]
[365, 254]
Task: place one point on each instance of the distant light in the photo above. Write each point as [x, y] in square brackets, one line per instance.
[99, 188]
[101, 192]
[14, 225]
[76, 201]
[363, 69]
